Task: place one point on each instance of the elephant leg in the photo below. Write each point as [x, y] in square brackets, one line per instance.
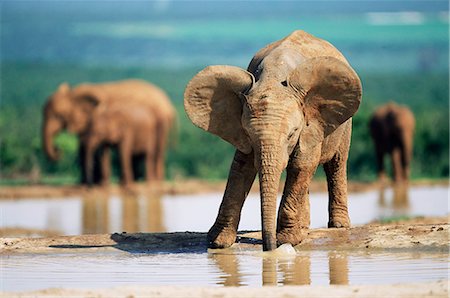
[406, 160]
[240, 180]
[396, 165]
[105, 163]
[294, 211]
[125, 161]
[336, 172]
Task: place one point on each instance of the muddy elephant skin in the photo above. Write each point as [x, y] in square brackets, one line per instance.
[76, 110]
[392, 128]
[291, 110]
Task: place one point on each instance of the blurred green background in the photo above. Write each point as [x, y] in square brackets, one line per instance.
[400, 49]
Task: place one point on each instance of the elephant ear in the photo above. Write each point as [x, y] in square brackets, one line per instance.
[89, 96]
[212, 102]
[330, 91]
[63, 88]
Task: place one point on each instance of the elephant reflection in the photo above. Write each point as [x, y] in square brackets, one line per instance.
[400, 199]
[228, 264]
[294, 272]
[138, 213]
[95, 216]
[392, 130]
[298, 270]
[285, 271]
[142, 213]
[133, 115]
[338, 268]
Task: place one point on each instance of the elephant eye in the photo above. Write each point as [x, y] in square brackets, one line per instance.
[284, 83]
[292, 133]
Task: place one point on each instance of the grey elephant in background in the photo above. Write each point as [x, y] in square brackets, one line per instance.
[392, 128]
[75, 109]
[291, 110]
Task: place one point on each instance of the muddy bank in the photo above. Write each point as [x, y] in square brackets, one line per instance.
[406, 235]
[171, 187]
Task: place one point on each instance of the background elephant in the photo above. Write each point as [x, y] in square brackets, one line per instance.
[130, 127]
[392, 130]
[293, 109]
[72, 109]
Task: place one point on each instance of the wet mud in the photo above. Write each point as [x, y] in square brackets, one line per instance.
[430, 236]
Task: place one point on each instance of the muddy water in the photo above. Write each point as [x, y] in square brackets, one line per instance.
[88, 270]
[101, 214]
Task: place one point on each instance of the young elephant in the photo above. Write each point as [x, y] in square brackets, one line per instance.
[131, 127]
[292, 109]
[392, 130]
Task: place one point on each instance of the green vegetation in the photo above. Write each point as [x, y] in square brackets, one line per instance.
[25, 87]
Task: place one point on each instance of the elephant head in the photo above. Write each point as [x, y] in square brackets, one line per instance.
[273, 115]
[68, 109]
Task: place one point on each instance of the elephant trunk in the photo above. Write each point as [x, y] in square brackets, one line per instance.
[269, 178]
[51, 127]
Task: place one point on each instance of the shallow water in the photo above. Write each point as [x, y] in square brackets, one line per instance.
[97, 214]
[237, 268]
[229, 267]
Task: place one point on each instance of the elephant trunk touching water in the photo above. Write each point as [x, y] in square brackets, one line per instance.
[292, 109]
[269, 177]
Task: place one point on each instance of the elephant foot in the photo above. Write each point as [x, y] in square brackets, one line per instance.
[292, 236]
[221, 237]
[339, 222]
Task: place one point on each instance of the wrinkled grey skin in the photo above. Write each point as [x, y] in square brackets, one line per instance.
[291, 110]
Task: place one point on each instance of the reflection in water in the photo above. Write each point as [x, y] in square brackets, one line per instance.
[228, 264]
[298, 273]
[286, 270]
[95, 219]
[139, 213]
[399, 201]
[83, 269]
[149, 212]
[338, 266]
[269, 271]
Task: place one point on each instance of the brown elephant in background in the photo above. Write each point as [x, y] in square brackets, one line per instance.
[74, 109]
[130, 127]
[392, 129]
[292, 109]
